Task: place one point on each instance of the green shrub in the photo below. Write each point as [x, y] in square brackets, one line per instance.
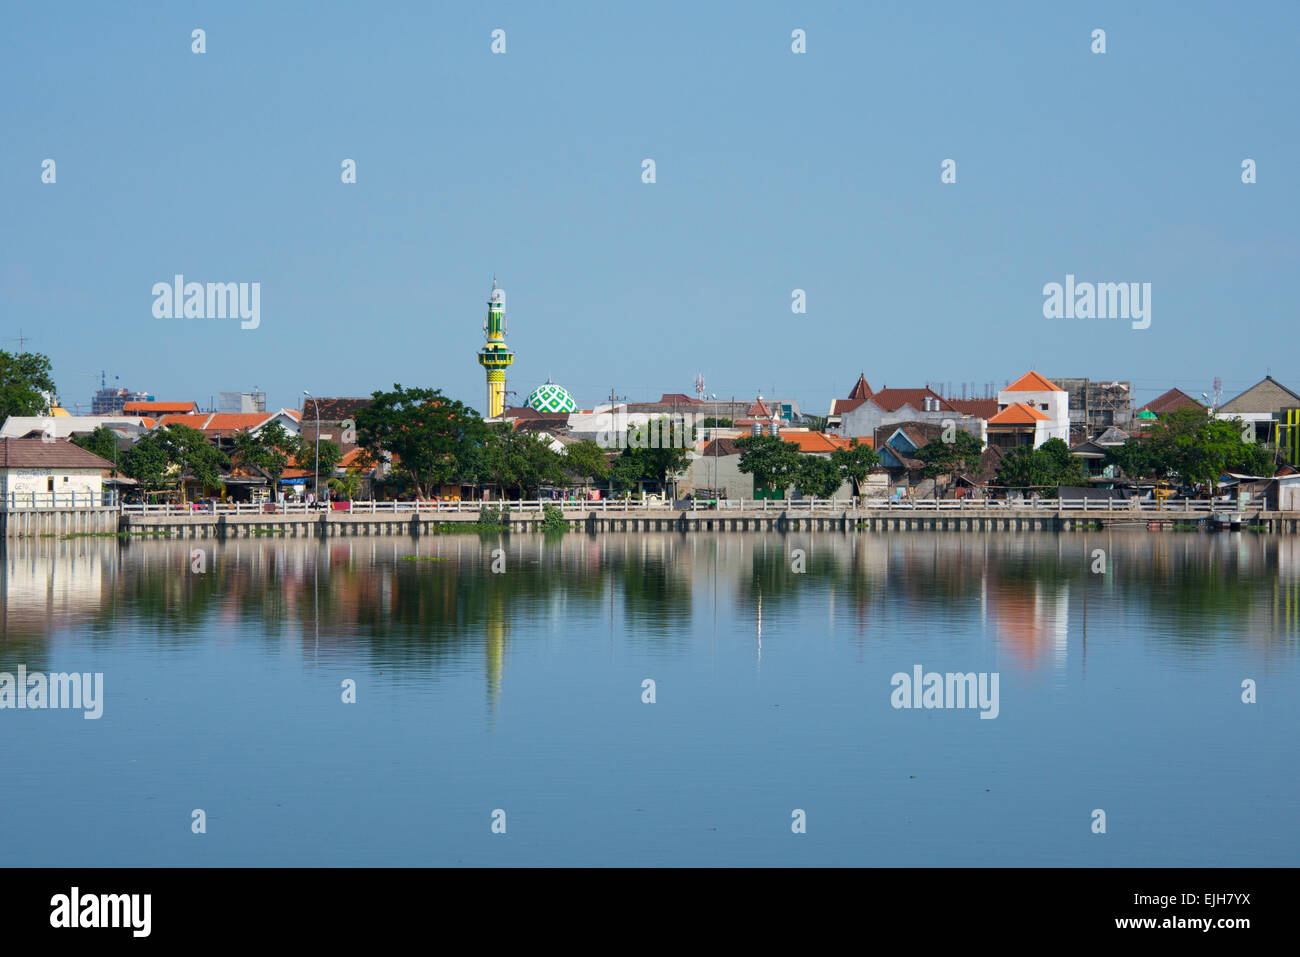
[492, 516]
[553, 519]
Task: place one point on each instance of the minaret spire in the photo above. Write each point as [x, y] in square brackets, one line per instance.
[495, 356]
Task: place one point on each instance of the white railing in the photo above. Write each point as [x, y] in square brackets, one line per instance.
[14, 501]
[605, 506]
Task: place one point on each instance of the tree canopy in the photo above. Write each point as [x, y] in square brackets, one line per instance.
[962, 454]
[1193, 446]
[639, 462]
[24, 381]
[856, 462]
[102, 442]
[435, 437]
[773, 462]
[1045, 467]
[818, 476]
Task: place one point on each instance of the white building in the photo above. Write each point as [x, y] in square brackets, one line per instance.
[1031, 411]
[36, 473]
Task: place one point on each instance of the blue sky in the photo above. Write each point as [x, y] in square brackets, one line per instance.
[775, 171]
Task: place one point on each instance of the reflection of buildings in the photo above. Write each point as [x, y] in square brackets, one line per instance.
[51, 583]
[1031, 619]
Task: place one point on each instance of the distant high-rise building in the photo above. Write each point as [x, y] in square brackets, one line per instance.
[111, 401]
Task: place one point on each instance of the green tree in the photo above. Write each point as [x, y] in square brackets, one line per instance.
[654, 453]
[1062, 467]
[772, 462]
[586, 461]
[521, 461]
[305, 455]
[102, 442]
[962, 454]
[346, 486]
[434, 436]
[818, 476]
[1134, 458]
[23, 380]
[1022, 468]
[146, 461]
[270, 449]
[1196, 447]
[197, 457]
[1040, 469]
[856, 462]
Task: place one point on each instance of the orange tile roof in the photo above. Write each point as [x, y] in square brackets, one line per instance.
[1017, 413]
[815, 441]
[161, 408]
[1031, 381]
[235, 421]
[193, 421]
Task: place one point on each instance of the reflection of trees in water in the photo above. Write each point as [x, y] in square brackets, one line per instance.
[363, 594]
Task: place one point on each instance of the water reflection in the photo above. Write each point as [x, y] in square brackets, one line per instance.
[413, 607]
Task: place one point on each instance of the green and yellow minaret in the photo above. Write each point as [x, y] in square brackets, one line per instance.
[495, 356]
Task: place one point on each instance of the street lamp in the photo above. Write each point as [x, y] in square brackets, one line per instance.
[315, 482]
[714, 397]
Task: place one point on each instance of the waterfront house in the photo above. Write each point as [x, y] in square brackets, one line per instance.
[38, 473]
[897, 445]
[717, 468]
[861, 417]
[1030, 411]
[860, 393]
[1018, 425]
[1270, 406]
[337, 420]
[820, 445]
[1092, 454]
[979, 483]
[1167, 402]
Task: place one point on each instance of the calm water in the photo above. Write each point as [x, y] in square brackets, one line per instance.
[522, 691]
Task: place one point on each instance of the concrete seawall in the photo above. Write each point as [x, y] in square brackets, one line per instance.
[57, 522]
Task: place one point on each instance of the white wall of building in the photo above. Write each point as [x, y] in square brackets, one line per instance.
[18, 485]
[1054, 405]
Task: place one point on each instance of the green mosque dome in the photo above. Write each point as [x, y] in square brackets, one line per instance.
[549, 397]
